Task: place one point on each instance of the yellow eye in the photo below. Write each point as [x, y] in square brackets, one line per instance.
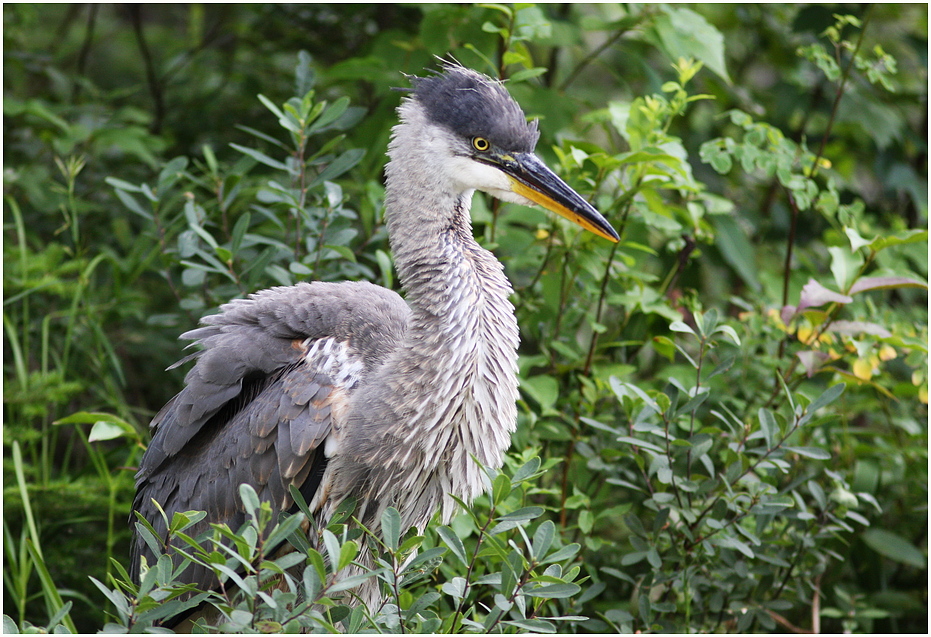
[480, 144]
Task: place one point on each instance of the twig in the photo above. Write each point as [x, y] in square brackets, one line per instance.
[155, 89]
[588, 59]
[85, 48]
[786, 623]
[840, 91]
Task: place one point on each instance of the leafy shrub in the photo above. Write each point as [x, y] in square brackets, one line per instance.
[263, 589]
[702, 465]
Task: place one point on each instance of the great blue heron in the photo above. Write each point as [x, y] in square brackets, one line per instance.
[346, 390]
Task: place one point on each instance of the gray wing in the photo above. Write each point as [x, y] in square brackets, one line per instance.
[268, 387]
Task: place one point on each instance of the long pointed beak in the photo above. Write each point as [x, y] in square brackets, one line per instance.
[531, 179]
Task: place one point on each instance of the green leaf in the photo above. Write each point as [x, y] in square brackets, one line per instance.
[130, 202]
[908, 236]
[413, 543]
[316, 561]
[332, 546]
[553, 591]
[9, 626]
[454, 543]
[391, 527]
[653, 558]
[731, 542]
[507, 525]
[387, 270]
[629, 390]
[331, 114]
[527, 74]
[844, 265]
[338, 166]
[119, 184]
[532, 625]
[685, 34]
[736, 249]
[526, 471]
[344, 251]
[87, 417]
[348, 582]
[679, 326]
[895, 547]
[116, 598]
[347, 553]
[455, 587]
[500, 489]
[564, 553]
[261, 157]
[586, 521]
[542, 540]
[239, 231]
[831, 394]
[723, 366]
[810, 452]
[52, 595]
[666, 347]
[271, 106]
[250, 500]
[640, 443]
[304, 76]
[728, 331]
[856, 241]
[544, 390]
[287, 526]
[768, 426]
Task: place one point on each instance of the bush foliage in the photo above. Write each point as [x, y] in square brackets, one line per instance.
[723, 423]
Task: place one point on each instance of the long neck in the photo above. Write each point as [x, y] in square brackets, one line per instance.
[447, 277]
[448, 393]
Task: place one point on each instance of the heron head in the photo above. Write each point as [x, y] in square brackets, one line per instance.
[484, 141]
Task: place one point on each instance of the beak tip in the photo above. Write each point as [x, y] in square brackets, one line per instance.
[531, 179]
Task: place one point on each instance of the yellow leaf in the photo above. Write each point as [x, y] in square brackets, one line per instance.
[774, 316]
[887, 353]
[805, 334]
[923, 394]
[541, 234]
[862, 369]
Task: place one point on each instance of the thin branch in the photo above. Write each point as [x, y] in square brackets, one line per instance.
[601, 301]
[588, 59]
[840, 92]
[155, 89]
[85, 48]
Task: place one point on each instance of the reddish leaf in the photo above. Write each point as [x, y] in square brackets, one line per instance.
[859, 327]
[814, 294]
[885, 283]
[812, 360]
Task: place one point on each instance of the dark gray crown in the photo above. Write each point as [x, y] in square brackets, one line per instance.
[473, 105]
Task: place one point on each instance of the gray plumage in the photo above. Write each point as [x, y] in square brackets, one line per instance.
[346, 389]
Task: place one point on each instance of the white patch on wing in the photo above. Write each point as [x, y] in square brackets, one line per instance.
[334, 358]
